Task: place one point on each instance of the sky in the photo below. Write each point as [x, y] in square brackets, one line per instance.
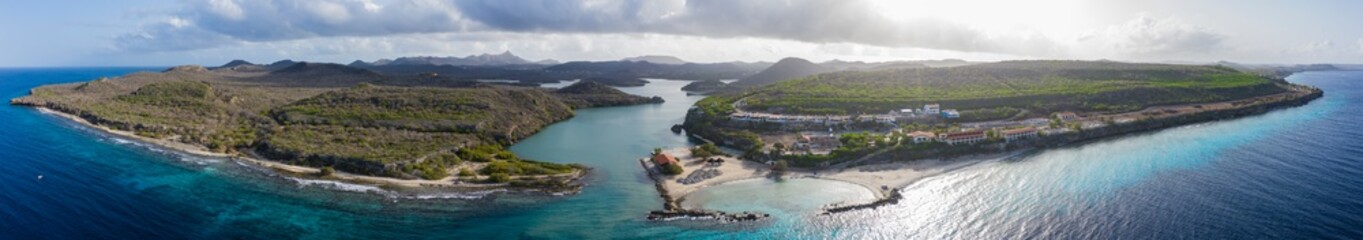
[213, 32]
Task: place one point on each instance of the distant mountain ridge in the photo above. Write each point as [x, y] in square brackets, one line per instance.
[1279, 70]
[787, 68]
[658, 59]
[505, 58]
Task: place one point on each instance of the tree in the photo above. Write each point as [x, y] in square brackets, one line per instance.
[326, 171]
[500, 178]
[705, 150]
[780, 167]
[753, 152]
[672, 169]
[657, 151]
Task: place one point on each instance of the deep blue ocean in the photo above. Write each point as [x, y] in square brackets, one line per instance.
[1291, 173]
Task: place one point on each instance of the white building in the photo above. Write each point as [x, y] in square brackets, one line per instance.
[932, 109]
[951, 113]
[885, 119]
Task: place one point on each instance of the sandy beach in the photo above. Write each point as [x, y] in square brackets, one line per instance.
[448, 182]
[880, 179]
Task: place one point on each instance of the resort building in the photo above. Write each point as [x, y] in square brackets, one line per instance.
[795, 119]
[920, 136]
[1020, 133]
[1067, 116]
[932, 109]
[884, 119]
[821, 142]
[1056, 131]
[963, 137]
[663, 159]
[950, 113]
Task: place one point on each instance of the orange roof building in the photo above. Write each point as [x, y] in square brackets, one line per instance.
[663, 159]
[963, 137]
[1020, 133]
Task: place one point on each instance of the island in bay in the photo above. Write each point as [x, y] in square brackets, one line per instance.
[445, 123]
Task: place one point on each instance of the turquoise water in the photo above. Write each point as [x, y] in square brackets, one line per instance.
[788, 198]
[1289, 173]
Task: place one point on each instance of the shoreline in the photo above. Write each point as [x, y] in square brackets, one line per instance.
[447, 183]
[883, 180]
[885, 186]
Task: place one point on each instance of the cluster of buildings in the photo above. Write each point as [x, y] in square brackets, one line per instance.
[817, 142]
[790, 119]
[978, 132]
[980, 135]
[929, 110]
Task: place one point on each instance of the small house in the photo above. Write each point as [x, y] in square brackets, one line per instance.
[663, 159]
[920, 136]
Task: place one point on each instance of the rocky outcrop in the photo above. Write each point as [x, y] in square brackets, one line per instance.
[704, 86]
[585, 94]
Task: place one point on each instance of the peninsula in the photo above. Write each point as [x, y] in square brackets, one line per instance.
[886, 128]
[338, 122]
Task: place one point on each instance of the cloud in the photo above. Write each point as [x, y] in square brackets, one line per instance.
[814, 21]
[1316, 47]
[171, 35]
[1360, 45]
[226, 22]
[211, 23]
[1148, 36]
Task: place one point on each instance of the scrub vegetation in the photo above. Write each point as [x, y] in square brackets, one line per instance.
[337, 118]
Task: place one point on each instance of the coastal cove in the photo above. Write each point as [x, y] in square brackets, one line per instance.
[1228, 179]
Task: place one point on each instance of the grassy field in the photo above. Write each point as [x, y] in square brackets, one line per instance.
[1041, 86]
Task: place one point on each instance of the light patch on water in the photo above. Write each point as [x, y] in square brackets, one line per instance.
[791, 197]
[999, 198]
[560, 84]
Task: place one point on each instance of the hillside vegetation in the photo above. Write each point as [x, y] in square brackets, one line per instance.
[1042, 86]
[328, 115]
[585, 94]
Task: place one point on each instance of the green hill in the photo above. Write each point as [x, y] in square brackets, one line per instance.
[1041, 86]
[328, 115]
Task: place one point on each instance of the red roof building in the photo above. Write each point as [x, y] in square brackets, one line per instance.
[1015, 134]
[920, 136]
[963, 137]
[663, 159]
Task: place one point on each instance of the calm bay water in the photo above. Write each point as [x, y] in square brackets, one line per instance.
[1289, 173]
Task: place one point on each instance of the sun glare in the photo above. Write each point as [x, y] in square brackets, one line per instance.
[1050, 17]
